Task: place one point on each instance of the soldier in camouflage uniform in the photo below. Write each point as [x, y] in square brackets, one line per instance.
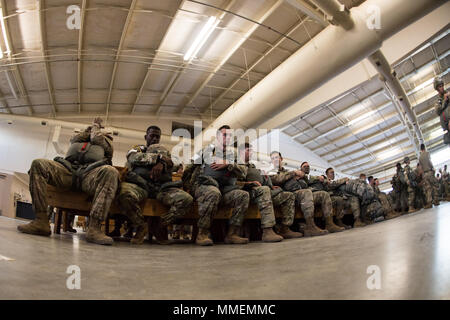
[384, 199]
[267, 196]
[410, 181]
[287, 180]
[213, 182]
[441, 107]
[446, 183]
[321, 197]
[343, 201]
[401, 189]
[430, 187]
[149, 174]
[87, 167]
[419, 195]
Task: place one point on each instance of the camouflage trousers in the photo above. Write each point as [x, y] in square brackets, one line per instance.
[385, 202]
[286, 202]
[263, 199]
[209, 197]
[411, 195]
[401, 197]
[101, 183]
[341, 205]
[304, 199]
[323, 199]
[131, 197]
[430, 188]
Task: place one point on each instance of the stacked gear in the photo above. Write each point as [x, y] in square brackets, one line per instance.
[371, 207]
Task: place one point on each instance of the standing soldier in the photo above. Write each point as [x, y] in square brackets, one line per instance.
[400, 188]
[441, 107]
[343, 201]
[86, 167]
[446, 182]
[430, 183]
[150, 175]
[411, 184]
[268, 196]
[213, 182]
[288, 181]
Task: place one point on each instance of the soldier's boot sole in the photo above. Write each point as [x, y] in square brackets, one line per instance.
[413, 210]
[99, 238]
[291, 234]
[339, 223]
[139, 237]
[204, 242]
[235, 240]
[428, 206]
[314, 232]
[334, 229]
[270, 236]
[36, 227]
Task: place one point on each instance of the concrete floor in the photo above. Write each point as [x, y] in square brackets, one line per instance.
[412, 252]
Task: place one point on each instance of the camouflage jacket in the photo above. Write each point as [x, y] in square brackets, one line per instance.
[442, 110]
[280, 177]
[96, 137]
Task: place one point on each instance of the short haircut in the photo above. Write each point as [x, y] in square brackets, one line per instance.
[326, 171]
[376, 179]
[273, 152]
[153, 128]
[225, 126]
[422, 147]
[370, 178]
[362, 175]
[303, 163]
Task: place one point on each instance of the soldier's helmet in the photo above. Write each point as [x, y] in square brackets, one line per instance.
[406, 160]
[437, 82]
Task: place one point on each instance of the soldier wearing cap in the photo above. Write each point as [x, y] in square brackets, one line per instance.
[441, 107]
[411, 184]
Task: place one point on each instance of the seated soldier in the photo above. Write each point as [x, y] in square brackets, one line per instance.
[343, 201]
[266, 197]
[383, 198]
[317, 184]
[288, 181]
[149, 174]
[86, 167]
[213, 182]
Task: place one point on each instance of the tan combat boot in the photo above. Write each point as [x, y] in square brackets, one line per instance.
[358, 223]
[141, 232]
[331, 227]
[312, 230]
[341, 224]
[412, 210]
[270, 236]
[287, 233]
[392, 215]
[39, 226]
[233, 236]
[203, 238]
[95, 233]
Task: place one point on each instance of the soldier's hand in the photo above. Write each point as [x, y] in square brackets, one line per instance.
[156, 171]
[256, 182]
[219, 166]
[299, 173]
[167, 160]
[321, 179]
[98, 121]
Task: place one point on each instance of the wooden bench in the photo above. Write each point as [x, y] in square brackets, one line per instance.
[79, 204]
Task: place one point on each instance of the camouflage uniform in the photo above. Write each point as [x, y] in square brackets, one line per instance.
[303, 197]
[342, 201]
[409, 177]
[266, 198]
[138, 185]
[210, 192]
[430, 187]
[100, 182]
[401, 190]
[320, 196]
[384, 200]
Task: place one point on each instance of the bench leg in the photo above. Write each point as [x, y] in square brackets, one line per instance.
[65, 221]
[194, 232]
[58, 218]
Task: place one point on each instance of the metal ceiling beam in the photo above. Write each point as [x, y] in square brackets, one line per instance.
[80, 48]
[119, 49]
[309, 11]
[254, 64]
[233, 50]
[336, 12]
[48, 75]
[15, 71]
[144, 82]
[177, 75]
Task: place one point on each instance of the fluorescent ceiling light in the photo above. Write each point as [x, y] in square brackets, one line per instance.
[204, 34]
[360, 118]
[2, 22]
[389, 153]
[440, 157]
[436, 133]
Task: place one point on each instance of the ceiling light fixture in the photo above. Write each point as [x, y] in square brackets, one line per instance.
[204, 34]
